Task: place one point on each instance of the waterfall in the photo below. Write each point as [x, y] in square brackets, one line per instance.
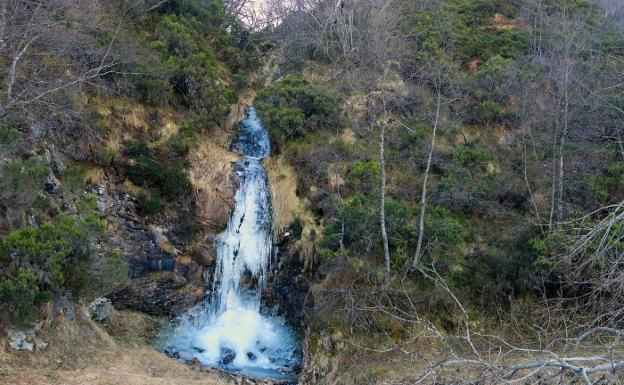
[229, 330]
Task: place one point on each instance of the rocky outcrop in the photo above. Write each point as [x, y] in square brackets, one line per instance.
[214, 185]
[143, 245]
[165, 280]
[26, 339]
[159, 293]
[100, 309]
[18, 341]
[287, 287]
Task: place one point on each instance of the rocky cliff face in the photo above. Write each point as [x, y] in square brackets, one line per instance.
[170, 273]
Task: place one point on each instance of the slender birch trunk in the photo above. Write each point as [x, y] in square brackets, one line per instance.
[382, 203]
[423, 197]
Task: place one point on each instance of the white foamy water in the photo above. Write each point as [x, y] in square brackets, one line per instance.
[229, 330]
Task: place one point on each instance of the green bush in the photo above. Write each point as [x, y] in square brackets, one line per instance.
[8, 134]
[106, 275]
[137, 149]
[183, 140]
[455, 190]
[195, 71]
[19, 292]
[42, 203]
[240, 81]
[22, 180]
[364, 176]
[171, 179]
[609, 187]
[151, 88]
[153, 169]
[477, 37]
[74, 178]
[175, 181]
[359, 218]
[469, 157]
[56, 257]
[486, 113]
[492, 89]
[105, 157]
[294, 106]
[148, 203]
[489, 42]
[146, 171]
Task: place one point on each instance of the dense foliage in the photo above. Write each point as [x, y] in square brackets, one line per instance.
[53, 259]
[526, 141]
[75, 71]
[293, 107]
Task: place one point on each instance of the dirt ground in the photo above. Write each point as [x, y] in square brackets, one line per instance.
[132, 366]
[117, 352]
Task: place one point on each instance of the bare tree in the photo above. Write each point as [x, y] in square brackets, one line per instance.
[562, 59]
[365, 34]
[564, 355]
[423, 196]
[51, 47]
[382, 201]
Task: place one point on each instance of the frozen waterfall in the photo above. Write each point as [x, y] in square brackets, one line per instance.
[229, 330]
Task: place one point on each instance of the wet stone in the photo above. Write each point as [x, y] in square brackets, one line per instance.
[227, 356]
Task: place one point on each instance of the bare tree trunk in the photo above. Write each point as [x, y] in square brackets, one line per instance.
[528, 185]
[621, 147]
[13, 70]
[423, 197]
[3, 23]
[564, 133]
[566, 109]
[382, 203]
[553, 188]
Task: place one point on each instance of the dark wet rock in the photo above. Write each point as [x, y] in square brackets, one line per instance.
[160, 293]
[287, 287]
[55, 160]
[171, 352]
[227, 356]
[203, 252]
[248, 281]
[198, 350]
[52, 185]
[251, 356]
[194, 362]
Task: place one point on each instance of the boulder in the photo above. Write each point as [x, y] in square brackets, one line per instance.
[203, 251]
[227, 356]
[160, 293]
[25, 339]
[52, 185]
[100, 309]
[18, 340]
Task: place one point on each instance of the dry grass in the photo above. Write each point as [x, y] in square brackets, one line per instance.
[83, 353]
[129, 121]
[286, 204]
[213, 183]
